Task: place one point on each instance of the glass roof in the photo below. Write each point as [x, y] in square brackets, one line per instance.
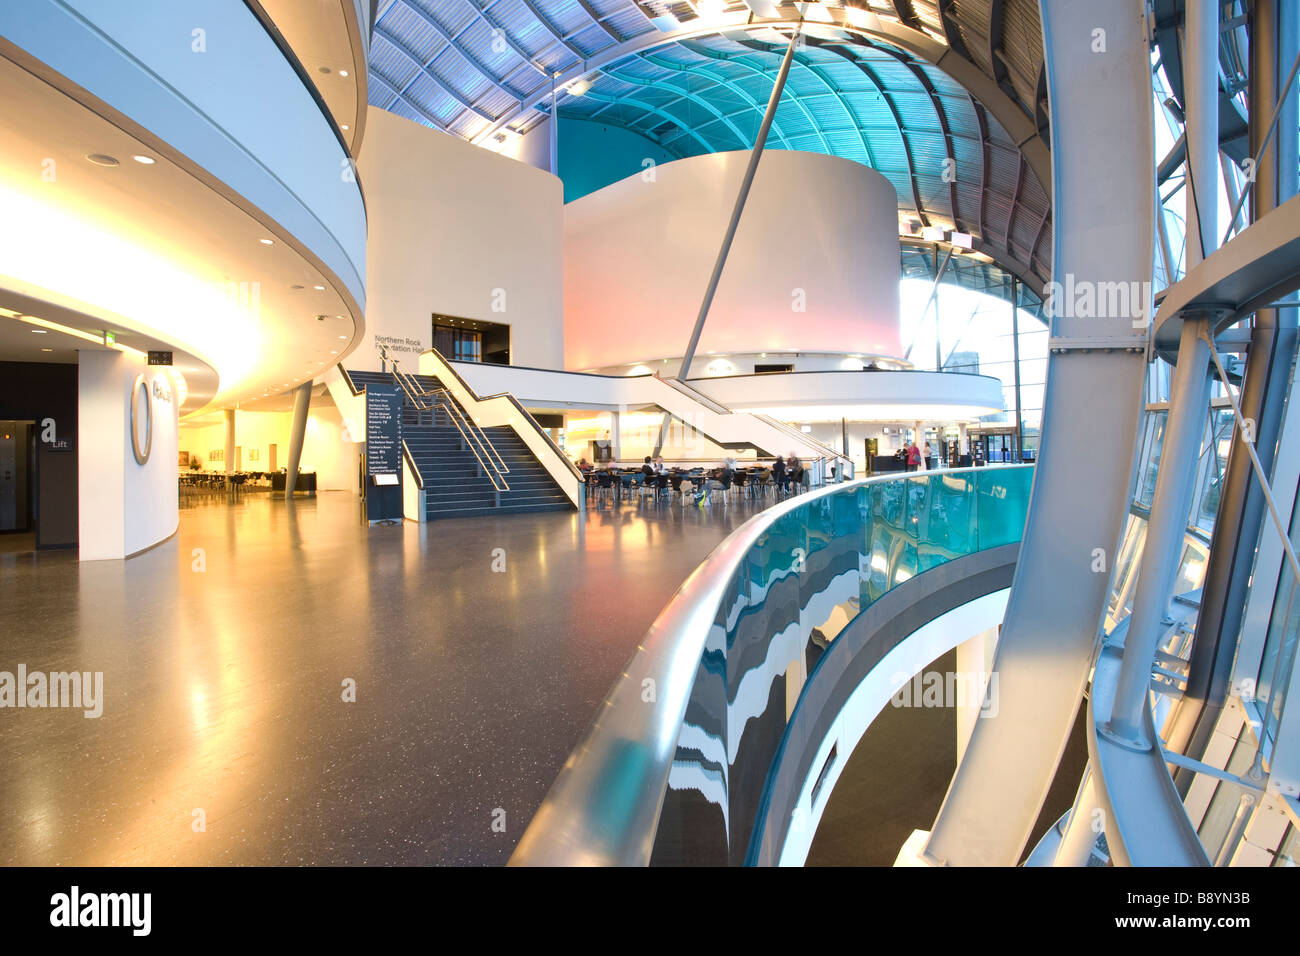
[694, 77]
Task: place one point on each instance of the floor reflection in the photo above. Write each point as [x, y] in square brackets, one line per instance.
[479, 650]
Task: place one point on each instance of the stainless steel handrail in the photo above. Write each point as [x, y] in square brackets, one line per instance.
[416, 389]
[471, 433]
[460, 380]
[603, 808]
[457, 418]
[444, 397]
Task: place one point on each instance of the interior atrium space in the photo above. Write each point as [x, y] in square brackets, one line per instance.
[648, 433]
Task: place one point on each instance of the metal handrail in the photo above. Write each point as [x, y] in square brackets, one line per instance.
[559, 452]
[444, 397]
[830, 453]
[718, 408]
[627, 756]
[470, 432]
[416, 389]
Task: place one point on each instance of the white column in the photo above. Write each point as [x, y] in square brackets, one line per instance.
[123, 506]
[974, 656]
[230, 441]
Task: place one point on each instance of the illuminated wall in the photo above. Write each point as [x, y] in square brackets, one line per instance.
[814, 266]
[457, 230]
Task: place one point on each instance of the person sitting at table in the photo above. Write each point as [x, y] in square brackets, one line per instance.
[647, 468]
[584, 465]
[659, 465]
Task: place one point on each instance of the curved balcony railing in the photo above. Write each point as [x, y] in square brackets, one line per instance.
[211, 85]
[676, 765]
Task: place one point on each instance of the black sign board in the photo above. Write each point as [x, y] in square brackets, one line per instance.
[383, 452]
[160, 358]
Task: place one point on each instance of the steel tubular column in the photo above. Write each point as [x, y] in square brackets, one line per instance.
[1093, 398]
[756, 154]
[297, 433]
[1189, 402]
[1268, 366]
[1189, 393]
[778, 87]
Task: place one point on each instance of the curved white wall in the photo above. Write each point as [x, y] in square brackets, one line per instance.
[205, 78]
[458, 230]
[638, 255]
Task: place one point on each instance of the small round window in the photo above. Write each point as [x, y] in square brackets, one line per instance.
[141, 420]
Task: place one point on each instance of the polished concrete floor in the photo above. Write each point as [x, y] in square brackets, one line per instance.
[225, 738]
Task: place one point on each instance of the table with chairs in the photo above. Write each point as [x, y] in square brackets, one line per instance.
[680, 484]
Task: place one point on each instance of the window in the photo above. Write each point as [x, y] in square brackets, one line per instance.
[470, 340]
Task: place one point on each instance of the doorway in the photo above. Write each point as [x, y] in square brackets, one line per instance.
[17, 484]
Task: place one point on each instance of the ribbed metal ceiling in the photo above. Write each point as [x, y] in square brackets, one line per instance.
[873, 82]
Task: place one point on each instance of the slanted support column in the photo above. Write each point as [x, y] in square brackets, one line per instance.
[1082, 829]
[1190, 401]
[1189, 392]
[297, 433]
[778, 87]
[1241, 512]
[1098, 73]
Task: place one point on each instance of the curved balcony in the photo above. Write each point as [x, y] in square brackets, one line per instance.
[705, 748]
[875, 395]
[211, 89]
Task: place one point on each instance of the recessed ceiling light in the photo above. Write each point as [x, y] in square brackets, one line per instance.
[267, 242]
[40, 331]
[334, 351]
[343, 72]
[343, 336]
[144, 160]
[102, 159]
[345, 127]
[319, 288]
[47, 350]
[296, 286]
[324, 69]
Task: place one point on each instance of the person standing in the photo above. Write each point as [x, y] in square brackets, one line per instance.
[778, 475]
[913, 456]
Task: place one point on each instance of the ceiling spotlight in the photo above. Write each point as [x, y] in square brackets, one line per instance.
[47, 350]
[343, 336]
[102, 159]
[343, 73]
[40, 331]
[267, 242]
[319, 288]
[345, 127]
[144, 160]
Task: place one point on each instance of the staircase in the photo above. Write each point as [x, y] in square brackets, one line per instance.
[455, 482]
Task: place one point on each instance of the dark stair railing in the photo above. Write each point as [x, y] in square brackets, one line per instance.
[475, 439]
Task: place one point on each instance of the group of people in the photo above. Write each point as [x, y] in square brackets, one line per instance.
[918, 460]
[787, 474]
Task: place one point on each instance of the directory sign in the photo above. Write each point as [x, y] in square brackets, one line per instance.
[383, 452]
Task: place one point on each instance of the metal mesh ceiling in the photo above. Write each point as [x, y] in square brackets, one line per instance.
[695, 76]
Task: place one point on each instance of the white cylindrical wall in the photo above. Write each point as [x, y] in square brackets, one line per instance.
[123, 506]
[814, 266]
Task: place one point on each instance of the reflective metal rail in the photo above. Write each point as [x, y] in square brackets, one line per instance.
[674, 767]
